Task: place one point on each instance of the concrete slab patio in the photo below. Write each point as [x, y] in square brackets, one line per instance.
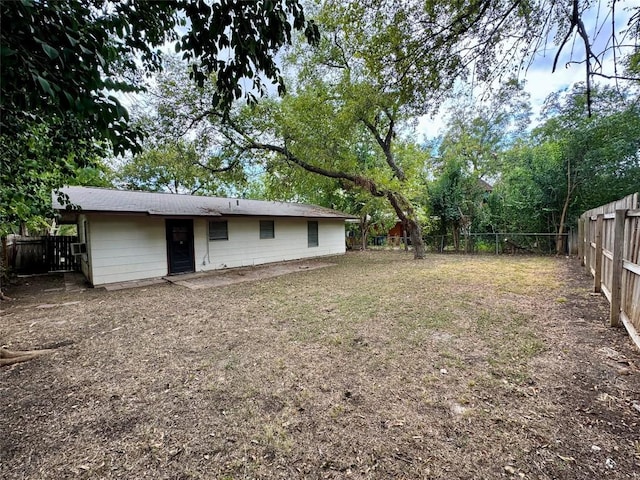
[218, 278]
[197, 281]
[133, 284]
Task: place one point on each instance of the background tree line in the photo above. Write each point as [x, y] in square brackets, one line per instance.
[344, 134]
[488, 172]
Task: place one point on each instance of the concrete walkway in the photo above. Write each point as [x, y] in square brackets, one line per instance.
[218, 278]
[133, 284]
[197, 281]
[74, 282]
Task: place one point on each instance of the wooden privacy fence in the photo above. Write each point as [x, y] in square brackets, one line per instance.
[609, 247]
[27, 255]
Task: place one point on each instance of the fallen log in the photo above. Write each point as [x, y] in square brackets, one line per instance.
[10, 357]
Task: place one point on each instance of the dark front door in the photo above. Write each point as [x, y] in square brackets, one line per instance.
[180, 246]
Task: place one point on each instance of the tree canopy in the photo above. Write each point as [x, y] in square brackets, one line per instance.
[64, 64]
[352, 104]
[543, 178]
[353, 99]
[72, 56]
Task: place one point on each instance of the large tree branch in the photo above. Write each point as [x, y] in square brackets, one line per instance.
[210, 169]
[578, 25]
[252, 144]
[359, 180]
[589, 54]
[385, 144]
[10, 357]
[390, 131]
[402, 207]
[615, 77]
[194, 120]
[342, 52]
[400, 204]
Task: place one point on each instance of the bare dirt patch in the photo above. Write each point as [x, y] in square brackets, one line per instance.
[379, 367]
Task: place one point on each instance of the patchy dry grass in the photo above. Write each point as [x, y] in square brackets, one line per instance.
[379, 367]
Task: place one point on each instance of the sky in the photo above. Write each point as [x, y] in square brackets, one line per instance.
[540, 83]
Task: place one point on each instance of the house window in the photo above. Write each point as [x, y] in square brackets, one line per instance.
[312, 234]
[267, 229]
[218, 230]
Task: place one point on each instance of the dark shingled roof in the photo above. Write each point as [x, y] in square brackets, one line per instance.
[105, 200]
[486, 186]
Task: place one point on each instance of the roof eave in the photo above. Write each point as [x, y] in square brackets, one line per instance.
[73, 213]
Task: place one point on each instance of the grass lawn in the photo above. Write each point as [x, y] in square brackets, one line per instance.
[454, 367]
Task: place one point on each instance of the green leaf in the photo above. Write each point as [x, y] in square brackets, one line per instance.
[51, 52]
[46, 86]
[72, 41]
[6, 51]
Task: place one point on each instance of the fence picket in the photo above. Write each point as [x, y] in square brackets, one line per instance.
[611, 246]
[42, 254]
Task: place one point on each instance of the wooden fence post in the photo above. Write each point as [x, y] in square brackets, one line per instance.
[581, 241]
[597, 277]
[587, 244]
[616, 280]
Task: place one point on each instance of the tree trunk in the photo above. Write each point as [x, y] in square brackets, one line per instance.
[456, 237]
[364, 232]
[560, 237]
[443, 236]
[4, 265]
[563, 215]
[407, 216]
[415, 234]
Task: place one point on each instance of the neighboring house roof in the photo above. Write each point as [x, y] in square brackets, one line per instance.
[487, 187]
[105, 200]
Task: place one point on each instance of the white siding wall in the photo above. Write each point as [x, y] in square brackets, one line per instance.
[245, 247]
[127, 248]
[134, 247]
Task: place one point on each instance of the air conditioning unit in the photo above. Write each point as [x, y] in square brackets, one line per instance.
[78, 248]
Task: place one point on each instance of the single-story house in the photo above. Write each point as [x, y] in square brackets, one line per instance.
[132, 235]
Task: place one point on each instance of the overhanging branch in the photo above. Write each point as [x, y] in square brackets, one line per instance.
[359, 180]
[385, 144]
[210, 169]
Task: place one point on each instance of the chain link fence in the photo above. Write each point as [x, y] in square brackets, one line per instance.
[474, 243]
[496, 243]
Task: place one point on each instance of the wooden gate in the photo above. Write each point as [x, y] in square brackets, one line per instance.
[59, 257]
